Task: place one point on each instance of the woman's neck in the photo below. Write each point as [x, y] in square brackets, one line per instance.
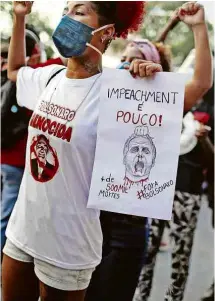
[79, 68]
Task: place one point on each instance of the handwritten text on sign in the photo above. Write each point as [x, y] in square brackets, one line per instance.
[137, 144]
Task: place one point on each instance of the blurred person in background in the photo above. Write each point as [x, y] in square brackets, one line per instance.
[207, 142]
[14, 126]
[189, 176]
[186, 209]
[208, 147]
[54, 242]
[124, 236]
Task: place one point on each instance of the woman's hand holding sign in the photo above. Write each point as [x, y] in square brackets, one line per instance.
[144, 68]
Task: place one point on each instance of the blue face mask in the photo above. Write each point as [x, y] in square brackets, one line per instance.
[123, 65]
[72, 37]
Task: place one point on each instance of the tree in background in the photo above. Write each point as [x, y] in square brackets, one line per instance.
[180, 38]
[40, 25]
[158, 14]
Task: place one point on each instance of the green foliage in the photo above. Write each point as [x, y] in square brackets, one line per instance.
[40, 24]
[180, 38]
[158, 12]
[6, 7]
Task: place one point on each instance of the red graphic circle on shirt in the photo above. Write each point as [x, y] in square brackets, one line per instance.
[43, 159]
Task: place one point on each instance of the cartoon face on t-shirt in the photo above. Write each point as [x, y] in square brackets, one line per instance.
[44, 161]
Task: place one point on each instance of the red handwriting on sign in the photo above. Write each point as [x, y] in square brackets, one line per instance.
[139, 119]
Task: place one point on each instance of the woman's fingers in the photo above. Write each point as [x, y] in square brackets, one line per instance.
[190, 8]
[29, 5]
[143, 68]
[134, 67]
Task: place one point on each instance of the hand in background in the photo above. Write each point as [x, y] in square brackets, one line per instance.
[22, 8]
[191, 13]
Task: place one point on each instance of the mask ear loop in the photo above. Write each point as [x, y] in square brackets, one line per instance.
[93, 47]
[93, 32]
[97, 50]
[100, 28]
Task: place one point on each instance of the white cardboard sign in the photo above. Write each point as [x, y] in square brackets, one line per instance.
[137, 144]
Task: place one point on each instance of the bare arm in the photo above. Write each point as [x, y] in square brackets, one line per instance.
[169, 26]
[202, 78]
[16, 55]
[207, 145]
[192, 14]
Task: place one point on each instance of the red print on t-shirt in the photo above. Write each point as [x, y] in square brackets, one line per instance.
[44, 161]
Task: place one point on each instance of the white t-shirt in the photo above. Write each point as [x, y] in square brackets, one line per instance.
[50, 220]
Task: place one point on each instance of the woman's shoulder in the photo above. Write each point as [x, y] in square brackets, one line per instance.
[39, 72]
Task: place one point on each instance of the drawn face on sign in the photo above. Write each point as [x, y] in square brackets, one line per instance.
[139, 155]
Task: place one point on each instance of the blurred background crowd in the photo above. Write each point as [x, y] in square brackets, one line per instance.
[159, 27]
[158, 13]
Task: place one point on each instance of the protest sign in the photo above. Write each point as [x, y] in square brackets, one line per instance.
[137, 144]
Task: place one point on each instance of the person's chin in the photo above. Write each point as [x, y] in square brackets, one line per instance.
[139, 174]
[136, 176]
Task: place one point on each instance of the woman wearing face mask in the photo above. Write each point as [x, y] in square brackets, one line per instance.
[51, 233]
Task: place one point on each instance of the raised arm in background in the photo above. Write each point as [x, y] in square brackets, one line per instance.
[16, 55]
[193, 15]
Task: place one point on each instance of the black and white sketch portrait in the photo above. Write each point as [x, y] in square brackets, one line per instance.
[139, 155]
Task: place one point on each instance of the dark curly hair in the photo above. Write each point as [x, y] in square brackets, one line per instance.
[126, 15]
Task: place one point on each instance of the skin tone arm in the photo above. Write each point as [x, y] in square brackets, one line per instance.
[207, 145]
[170, 26]
[193, 15]
[16, 55]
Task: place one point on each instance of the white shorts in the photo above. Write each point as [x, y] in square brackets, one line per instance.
[62, 279]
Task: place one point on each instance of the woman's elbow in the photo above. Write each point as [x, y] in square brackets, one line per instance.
[208, 85]
[9, 74]
[204, 86]
[12, 75]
